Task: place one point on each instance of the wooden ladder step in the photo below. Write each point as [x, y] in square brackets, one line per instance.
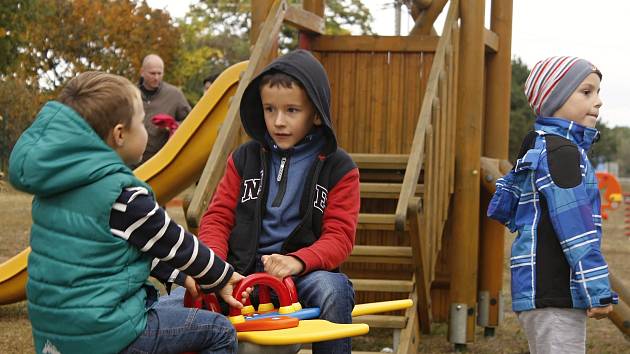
[376, 221]
[381, 161]
[381, 254]
[382, 321]
[382, 285]
[384, 190]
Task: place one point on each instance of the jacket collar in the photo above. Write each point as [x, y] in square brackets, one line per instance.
[582, 136]
[311, 144]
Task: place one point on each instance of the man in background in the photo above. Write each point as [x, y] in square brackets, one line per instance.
[164, 104]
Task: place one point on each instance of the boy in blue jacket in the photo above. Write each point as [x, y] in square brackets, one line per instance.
[559, 276]
[98, 234]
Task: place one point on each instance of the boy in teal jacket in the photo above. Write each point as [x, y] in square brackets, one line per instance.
[98, 234]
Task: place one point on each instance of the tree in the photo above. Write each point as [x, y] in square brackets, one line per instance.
[216, 35]
[605, 150]
[45, 42]
[19, 104]
[521, 115]
[70, 36]
[14, 19]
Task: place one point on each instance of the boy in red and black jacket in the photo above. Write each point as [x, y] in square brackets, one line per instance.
[288, 203]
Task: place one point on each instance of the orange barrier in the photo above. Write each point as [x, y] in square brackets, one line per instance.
[610, 190]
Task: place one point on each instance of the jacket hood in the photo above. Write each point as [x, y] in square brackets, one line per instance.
[59, 152]
[305, 68]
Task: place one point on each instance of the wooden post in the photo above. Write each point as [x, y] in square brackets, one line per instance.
[463, 258]
[317, 7]
[495, 145]
[260, 10]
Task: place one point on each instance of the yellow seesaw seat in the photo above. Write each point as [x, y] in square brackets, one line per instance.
[307, 331]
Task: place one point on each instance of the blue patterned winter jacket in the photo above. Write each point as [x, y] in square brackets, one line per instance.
[551, 199]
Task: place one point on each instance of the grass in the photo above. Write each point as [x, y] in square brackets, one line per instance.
[603, 336]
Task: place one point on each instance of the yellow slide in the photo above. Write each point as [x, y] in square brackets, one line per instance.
[169, 172]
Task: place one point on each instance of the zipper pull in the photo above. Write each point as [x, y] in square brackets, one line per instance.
[283, 161]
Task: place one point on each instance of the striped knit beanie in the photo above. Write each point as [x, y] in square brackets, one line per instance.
[552, 81]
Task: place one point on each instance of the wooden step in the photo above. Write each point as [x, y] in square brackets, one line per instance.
[381, 161]
[381, 254]
[376, 221]
[382, 321]
[384, 190]
[382, 285]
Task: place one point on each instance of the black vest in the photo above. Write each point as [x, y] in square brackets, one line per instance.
[252, 163]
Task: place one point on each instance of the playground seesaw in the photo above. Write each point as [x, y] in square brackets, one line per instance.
[267, 329]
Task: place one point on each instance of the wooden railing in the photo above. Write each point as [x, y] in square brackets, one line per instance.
[438, 107]
[433, 148]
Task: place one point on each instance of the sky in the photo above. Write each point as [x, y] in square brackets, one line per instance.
[593, 30]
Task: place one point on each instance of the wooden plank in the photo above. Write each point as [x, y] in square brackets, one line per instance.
[380, 161]
[229, 129]
[304, 20]
[382, 285]
[347, 71]
[491, 41]
[259, 14]
[395, 109]
[409, 336]
[376, 222]
[421, 267]
[315, 6]
[388, 251]
[380, 254]
[362, 102]
[384, 190]
[378, 94]
[375, 44]
[424, 23]
[382, 321]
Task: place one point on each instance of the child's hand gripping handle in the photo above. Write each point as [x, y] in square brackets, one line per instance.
[284, 295]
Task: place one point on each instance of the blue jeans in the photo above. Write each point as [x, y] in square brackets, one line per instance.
[172, 328]
[334, 295]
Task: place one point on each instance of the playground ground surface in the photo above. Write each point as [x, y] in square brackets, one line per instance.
[603, 336]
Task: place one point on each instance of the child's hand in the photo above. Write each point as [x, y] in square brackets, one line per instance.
[191, 285]
[599, 312]
[281, 266]
[226, 292]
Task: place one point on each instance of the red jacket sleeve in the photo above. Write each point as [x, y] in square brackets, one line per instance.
[217, 222]
[339, 226]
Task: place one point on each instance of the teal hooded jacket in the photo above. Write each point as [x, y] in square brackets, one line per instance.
[87, 290]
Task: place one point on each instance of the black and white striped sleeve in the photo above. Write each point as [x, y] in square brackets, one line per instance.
[137, 218]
